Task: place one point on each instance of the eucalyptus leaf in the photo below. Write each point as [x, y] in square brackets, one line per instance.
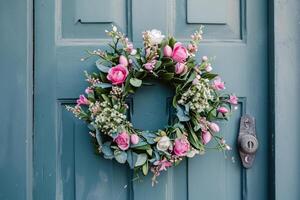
[135, 82]
[149, 136]
[103, 85]
[120, 156]
[98, 138]
[141, 159]
[131, 158]
[107, 151]
[91, 127]
[182, 115]
[102, 67]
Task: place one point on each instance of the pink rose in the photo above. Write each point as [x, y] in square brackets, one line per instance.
[150, 65]
[180, 68]
[180, 53]
[222, 110]
[117, 75]
[82, 100]
[206, 137]
[218, 84]
[181, 146]
[122, 141]
[233, 99]
[123, 60]
[134, 138]
[168, 51]
[214, 127]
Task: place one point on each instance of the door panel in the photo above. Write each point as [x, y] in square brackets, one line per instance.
[66, 167]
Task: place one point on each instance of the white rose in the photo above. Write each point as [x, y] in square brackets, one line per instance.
[155, 37]
[163, 144]
[192, 153]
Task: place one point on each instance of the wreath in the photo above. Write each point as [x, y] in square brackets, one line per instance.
[198, 101]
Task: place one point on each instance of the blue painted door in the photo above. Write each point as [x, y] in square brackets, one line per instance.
[66, 167]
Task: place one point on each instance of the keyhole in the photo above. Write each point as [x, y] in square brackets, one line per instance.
[250, 144]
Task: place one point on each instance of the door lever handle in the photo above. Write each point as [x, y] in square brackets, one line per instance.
[247, 140]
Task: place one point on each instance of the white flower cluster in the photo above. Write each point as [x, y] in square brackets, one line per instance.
[153, 37]
[197, 96]
[108, 119]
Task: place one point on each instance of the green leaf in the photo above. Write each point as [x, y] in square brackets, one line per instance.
[102, 67]
[149, 152]
[103, 85]
[107, 151]
[145, 169]
[167, 76]
[105, 97]
[209, 76]
[144, 147]
[131, 158]
[121, 156]
[157, 64]
[141, 159]
[172, 41]
[135, 82]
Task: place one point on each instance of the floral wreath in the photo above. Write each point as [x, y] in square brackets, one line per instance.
[198, 101]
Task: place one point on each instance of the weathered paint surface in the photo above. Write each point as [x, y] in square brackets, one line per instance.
[286, 95]
[16, 100]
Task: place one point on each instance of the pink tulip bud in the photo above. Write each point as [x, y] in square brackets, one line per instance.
[206, 137]
[123, 60]
[134, 138]
[168, 51]
[204, 58]
[180, 68]
[214, 127]
[222, 110]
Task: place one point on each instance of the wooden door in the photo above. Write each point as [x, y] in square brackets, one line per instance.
[66, 167]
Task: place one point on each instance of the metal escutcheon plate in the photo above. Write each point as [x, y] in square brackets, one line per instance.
[247, 140]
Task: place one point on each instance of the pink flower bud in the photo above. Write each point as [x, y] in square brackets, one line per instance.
[134, 138]
[168, 51]
[208, 68]
[204, 58]
[180, 68]
[82, 100]
[214, 127]
[88, 90]
[222, 110]
[233, 99]
[123, 60]
[206, 137]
